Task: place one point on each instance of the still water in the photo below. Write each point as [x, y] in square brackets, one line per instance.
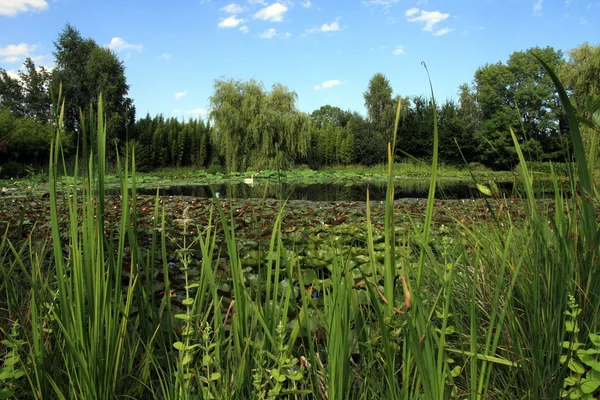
[327, 191]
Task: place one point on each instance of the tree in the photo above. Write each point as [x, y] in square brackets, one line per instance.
[11, 94]
[415, 136]
[257, 129]
[581, 75]
[380, 113]
[536, 100]
[36, 92]
[329, 113]
[85, 70]
[519, 95]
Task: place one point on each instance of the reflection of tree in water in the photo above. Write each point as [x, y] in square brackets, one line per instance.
[414, 188]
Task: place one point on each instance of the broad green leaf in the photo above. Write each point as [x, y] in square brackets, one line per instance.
[484, 189]
[576, 367]
[179, 346]
[589, 386]
[456, 371]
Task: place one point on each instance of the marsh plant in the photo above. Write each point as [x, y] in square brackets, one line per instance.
[503, 310]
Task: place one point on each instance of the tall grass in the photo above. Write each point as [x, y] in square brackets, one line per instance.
[485, 316]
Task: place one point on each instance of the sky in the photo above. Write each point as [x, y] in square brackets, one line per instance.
[324, 50]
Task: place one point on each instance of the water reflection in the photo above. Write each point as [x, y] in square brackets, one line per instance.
[327, 191]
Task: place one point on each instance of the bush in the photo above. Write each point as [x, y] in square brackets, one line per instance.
[12, 169]
[544, 167]
[475, 166]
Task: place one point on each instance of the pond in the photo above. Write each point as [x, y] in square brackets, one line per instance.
[348, 191]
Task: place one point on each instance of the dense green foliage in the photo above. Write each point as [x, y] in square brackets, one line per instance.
[85, 70]
[250, 128]
[256, 129]
[168, 142]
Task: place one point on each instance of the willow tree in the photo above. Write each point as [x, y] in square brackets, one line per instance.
[256, 129]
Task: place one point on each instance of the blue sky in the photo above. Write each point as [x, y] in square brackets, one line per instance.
[324, 50]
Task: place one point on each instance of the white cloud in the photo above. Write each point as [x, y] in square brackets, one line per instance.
[14, 74]
[244, 29]
[233, 8]
[399, 51]
[261, 2]
[583, 21]
[269, 33]
[273, 13]
[537, 7]
[328, 84]
[331, 27]
[118, 44]
[10, 8]
[430, 18]
[177, 111]
[306, 4]
[443, 31]
[411, 11]
[15, 52]
[230, 22]
[179, 95]
[165, 56]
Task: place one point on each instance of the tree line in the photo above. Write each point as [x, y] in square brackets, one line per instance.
[250, 127]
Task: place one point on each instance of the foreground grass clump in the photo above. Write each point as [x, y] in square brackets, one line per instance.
[139, 298]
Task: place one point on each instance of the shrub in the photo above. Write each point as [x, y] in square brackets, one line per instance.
[12, 169]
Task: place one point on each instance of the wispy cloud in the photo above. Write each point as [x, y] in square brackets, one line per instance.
[232, 8]
[165, 56]
[384, 3]
[269, 33]
[306, 4]
[16, 52]
[399, 51]
[328, 84]
[230, 22]
[179, 95]
[429, 18]
[119, 44]
[583, 21]
[244, 29]
[443, 31]
[10, 8]
[537, 7]
[195, 112]
[273, 13]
